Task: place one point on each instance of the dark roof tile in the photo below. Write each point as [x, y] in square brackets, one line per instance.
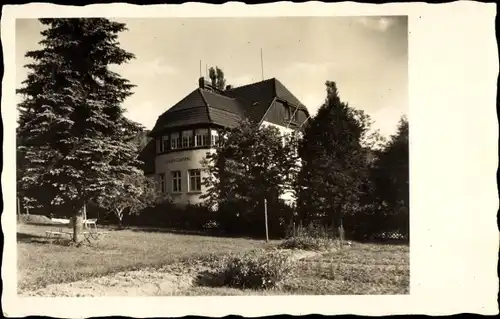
[224, 118]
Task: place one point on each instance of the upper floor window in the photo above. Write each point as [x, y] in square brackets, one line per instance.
[194, 178]
[288, 113]
[296, 116]
[165, 144]
[175, 141]
[187, 139]
[201, 137]
[215, 138]
[159, 145]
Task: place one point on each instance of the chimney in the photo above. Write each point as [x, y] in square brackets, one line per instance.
[201, 83]
[228, 87]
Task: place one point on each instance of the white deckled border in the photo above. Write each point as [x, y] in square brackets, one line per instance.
[453, 131]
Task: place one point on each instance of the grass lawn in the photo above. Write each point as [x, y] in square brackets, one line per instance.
[361, 269]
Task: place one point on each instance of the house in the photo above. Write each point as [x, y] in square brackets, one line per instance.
[184, 134]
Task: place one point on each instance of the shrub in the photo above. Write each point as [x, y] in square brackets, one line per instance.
[307, 243]
[255, 270]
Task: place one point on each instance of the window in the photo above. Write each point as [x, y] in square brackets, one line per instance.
[158, 146]
[162, 183]
[296, 116]
[215, 137]
[176, 182]
[165, 143]
[194, 180]
[175, 141]
[201, 137]
[187, 139]
[288, 113]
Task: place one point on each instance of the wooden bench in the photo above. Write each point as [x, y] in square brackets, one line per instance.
[50, 234]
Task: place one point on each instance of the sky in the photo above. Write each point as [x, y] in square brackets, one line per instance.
[366, 56]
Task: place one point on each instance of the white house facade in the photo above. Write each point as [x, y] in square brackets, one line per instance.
[185, 133]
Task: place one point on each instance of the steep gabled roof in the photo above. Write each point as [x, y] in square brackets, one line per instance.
[225, 108]
[257, 111]
[263, 91]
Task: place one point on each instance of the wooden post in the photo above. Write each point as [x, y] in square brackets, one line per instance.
[84, 215]
[294, 235]
[265, 218]
[341, 233]
[18, 209]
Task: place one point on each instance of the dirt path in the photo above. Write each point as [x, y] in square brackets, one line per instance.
[140, 283]
[162, 282]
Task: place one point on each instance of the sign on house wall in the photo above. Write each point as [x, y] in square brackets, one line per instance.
[176, 160]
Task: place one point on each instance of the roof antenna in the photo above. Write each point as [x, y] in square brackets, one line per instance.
[262, 64]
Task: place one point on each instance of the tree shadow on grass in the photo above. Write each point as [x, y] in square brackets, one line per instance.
[30, 238]
[38, 239]
[43, 224]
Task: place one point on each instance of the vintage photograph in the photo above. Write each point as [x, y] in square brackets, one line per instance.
[212, 156]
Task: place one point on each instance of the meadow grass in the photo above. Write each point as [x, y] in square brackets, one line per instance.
[41, 262]
[360, 269]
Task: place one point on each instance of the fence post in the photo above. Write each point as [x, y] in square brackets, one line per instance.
[265, 217]
[341, 233]
[18, 209]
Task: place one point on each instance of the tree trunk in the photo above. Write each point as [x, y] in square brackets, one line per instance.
[77, 226]
[119, 215]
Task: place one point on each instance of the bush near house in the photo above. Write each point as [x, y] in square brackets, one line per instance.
[170, 215]
[307, 243]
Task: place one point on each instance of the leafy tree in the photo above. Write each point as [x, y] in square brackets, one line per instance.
[391, 178]
[130, 194]
[251, 164]
[216, 76]
[334, 161]
[72, 129]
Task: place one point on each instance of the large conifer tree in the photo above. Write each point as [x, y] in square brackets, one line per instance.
[73, 135]
[334, 168]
